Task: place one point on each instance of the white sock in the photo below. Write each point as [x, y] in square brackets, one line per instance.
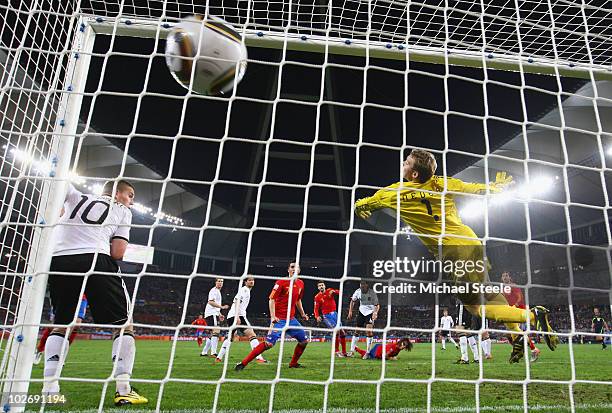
[443, 343]
[486, 347]
[124, 352]
[254, 343]
[354, 341]
[224, 347]
[368, 343]
[214, 342]
[474, 347]
[463, 344]
[53, 362]
[206, 347]
[452, 340]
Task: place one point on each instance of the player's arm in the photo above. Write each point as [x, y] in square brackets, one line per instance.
[272, 303]
[375, 313]
[351, 305]
[593, 324]
[605, 325]
[365, 206]
[317, 304]
[502, 180]
[300, 308]
[333, 291]
[237, 302]
[213, 303]
[121, 237]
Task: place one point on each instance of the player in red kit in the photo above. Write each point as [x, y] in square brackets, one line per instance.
[325, 310]
[200, 331]
[279, 304]
[515, 298]
[392, 350]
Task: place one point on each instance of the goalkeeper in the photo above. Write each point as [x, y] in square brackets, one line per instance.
[420, 206]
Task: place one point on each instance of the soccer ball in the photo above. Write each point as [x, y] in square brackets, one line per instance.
[216, 50]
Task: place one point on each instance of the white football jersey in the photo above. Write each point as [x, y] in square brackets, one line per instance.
[213, 295]
[367, 301]
[89, 224]
[446, 322]
[243, 297]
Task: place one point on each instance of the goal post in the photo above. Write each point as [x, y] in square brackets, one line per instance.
[63, 122]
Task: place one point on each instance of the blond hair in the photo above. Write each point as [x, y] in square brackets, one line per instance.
[424, 163]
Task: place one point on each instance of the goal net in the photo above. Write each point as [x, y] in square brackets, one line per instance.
[335, 96]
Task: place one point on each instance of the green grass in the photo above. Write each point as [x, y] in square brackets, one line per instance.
[91, 360]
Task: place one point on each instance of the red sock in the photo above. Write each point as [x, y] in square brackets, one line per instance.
[199, 341]
[360, 351]
[343, 342]
[297, 353]
[72, 336]
[337, 343]
[43, 340]
[531, 345]
[255, 352]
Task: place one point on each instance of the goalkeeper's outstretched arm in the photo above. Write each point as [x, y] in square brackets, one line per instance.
[502, 180]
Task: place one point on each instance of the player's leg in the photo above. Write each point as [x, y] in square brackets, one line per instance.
[273, 335]
[206, 348]
[473, 343]
[463, 345]
[109, 303]
[231, 336]
[212, 322]
[214, 340]
[300, 335]
[452, 340]
[65, 291]
[486, 345]
[443, 340]
[40, 347]
[369, 333]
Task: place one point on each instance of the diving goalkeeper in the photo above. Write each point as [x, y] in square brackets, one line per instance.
[421, 195]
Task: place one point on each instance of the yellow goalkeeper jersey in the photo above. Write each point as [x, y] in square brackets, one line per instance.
[420, 207]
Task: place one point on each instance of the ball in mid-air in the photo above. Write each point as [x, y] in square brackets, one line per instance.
[211, 49]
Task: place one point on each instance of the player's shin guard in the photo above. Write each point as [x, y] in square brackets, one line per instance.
[354, 341]
[463, 344]
[224, 348]
[124, 352]
[297, 353]
[261, 347]
[486, 347]
[214, 342]
[254, 343]
[443, 343]
[56, 350]
[474, 347]
[206, 347]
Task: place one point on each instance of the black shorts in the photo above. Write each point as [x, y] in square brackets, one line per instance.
[445, 333]
[213, 321]
[106, 294]
[363, 320]
[239, 329]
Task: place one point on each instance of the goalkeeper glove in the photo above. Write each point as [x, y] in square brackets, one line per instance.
[502, 180]
[362, 209]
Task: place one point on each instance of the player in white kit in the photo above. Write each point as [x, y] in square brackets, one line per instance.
[237, 317]
[366, 315]
[92, 233]
[213, 316]
[447, 322]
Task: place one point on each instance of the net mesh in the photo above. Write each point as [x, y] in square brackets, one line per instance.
[537, 132]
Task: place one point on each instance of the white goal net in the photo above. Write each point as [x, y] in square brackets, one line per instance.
[335, 96]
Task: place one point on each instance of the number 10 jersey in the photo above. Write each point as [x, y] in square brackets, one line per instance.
[89, 223]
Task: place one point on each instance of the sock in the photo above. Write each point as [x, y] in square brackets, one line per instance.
[261, 347]
[368, 343]
[337, 342]
[443, 343]
[54, 361]
[360, 351]
[463, 344]
[199, 341]
[124, 352]
[343, 343]
[224, 347]
[206, 347]
[474, 347]
[531, 345]
[254, 343]
[297, 353]
[214, 341]
[43, 340]
[486, 347]
[354, 341]
[452, 340]
[507, 314]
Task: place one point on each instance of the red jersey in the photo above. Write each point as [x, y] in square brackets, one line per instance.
[392, 350]
[199, 322]
[515, 297]
[325, 302]
[280, 295]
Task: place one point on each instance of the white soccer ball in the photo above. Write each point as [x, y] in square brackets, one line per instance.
[212, 49]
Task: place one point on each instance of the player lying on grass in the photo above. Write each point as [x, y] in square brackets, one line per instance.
[325, 311]
[91, 235]
[420, 197]
[237, 317]
[392, 350]
[291, 288]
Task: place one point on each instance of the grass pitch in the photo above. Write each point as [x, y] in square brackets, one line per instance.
[194, 383]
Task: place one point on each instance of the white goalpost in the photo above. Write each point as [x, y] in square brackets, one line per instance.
[46, 51]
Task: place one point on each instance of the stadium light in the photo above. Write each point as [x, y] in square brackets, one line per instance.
[537, 186]
[609, 151]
